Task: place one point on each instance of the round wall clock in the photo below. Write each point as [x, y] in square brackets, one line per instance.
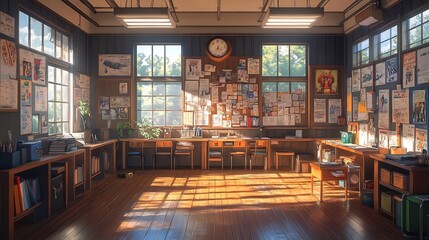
[218, 49]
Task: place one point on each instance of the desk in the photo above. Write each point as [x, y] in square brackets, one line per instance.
[324, 173]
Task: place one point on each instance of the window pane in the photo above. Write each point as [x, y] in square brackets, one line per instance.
[65, 127]
[51, 92]
[66, 77]
[144, 60]
[51, 74]
[415, 35]
[65, 108]
[394, 45]
[159, 118]
[365, 56]
[174, 103]
[269, 60]
[58, 76]
[144, 89]
[144, 115]
[58, 112]
[58, 93]
[174, 60]
[58, 127]
[159, 103]
[174, 88]
[283, 60]
[283, 87]
[158, 88]
[426, 16]
[158, 61]
[23, 28]
[385, 47]
[298, 60]
[36, 34]
[415, 21]
[58, 45]
[385, 35]
[425, 30]
[144, 103]
[51, 128]
[65, 49]
[394, 31]
[269, 87]
[48, 40]
[65, 93]
[51, 111]
[174, 118]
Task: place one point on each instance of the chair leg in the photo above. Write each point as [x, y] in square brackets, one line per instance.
[154, 162]
[171, 162]
[192, 159]
[231, 162]
[174, 162]
[222, 162]
[245, 162]
[142, 162]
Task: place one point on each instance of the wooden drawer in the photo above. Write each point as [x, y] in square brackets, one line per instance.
[215, 144]
[385, 176]
[400, 181]
[239, 144]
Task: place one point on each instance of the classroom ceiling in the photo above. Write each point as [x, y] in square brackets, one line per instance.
[208, 16]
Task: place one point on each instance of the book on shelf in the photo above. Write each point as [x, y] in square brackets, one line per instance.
[26, 193]
[338, 174]
[78, 174]
[63, 144]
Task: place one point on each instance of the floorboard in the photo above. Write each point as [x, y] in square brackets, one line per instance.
[195, 204]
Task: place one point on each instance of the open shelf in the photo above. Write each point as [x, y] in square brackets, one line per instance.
[78, 184]
[95, 174]
[394, 188]
[27, 212]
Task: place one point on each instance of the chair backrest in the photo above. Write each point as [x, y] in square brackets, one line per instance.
[240, 144]
[258, 146]
[135, 147]
[164, 146]
[182, 146]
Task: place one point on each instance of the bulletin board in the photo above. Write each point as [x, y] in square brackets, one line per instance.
[81, 92]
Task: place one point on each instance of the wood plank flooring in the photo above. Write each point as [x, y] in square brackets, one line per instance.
[195, 204]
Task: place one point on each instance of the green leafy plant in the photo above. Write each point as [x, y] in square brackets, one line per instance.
[121, 127]
[85, 114]
[147, 130]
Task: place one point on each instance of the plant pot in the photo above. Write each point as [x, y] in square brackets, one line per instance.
[87, 136]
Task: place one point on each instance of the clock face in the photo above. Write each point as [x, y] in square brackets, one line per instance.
[218, 47]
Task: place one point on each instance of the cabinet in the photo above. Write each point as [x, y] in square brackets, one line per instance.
[40, 170]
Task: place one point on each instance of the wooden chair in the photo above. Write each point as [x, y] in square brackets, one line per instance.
[288, 153]
[135, 150]
[258, 148]
[240, 145]
[184, 149]
[215, 153]
[163, 149]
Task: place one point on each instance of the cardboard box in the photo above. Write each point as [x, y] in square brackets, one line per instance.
[400, 181]
[385, 176]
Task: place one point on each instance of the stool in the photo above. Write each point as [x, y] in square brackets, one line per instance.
[303, 161]
[285, 153]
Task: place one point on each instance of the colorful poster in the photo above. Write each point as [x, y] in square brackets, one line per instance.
[421, 139]
[253, 66]
[383, 138]
[114, 65]
[380, 74]
[334, 110]
[104, 103]
[8, 60]
[7, 25]
[26, 92]
[120, 101]
[26, 120]
[419, 106]
[39, 69]
[407, 138]
[319, 110]
[355, 108]
[41, 99]
[367, 77]
[422, 65]
[356, 80]
[409, 70]
[400, 106]
[326, 81]
[193, 69]
[26, 64]
[392, 70]
[383, 109]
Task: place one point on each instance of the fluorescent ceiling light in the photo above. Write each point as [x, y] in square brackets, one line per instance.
[291, 17]
[145, 17]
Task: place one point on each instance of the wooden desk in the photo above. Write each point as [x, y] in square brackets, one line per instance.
[324, 173]
[418, 178]
[359, 155]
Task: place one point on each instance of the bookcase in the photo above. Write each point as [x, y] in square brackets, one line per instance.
[40, 170]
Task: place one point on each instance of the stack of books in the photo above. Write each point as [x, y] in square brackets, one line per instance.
[95, 165]
[26, 193]
[78, 174]
[61, 145]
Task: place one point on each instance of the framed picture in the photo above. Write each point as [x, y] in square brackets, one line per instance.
[123, 88]
[114, 65]
[326, 80]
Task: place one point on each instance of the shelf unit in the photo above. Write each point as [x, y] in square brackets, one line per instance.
[42, 170]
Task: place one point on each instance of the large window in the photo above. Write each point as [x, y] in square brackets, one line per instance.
[43, 38]
[284, 60]
[159, 61]
[416, 30]
[160, 102]
[58, 100]
[385, 43]
[361, 53]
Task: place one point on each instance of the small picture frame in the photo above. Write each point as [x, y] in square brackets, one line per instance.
[123, 88]
[326, 80]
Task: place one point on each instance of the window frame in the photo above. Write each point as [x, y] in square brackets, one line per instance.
[289, 62]
[377, 55]
[406, 45]
[357, 53]
[152, 58]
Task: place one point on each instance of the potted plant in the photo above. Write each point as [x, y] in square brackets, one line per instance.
[124, 128]
[146, 129]
[85, 117]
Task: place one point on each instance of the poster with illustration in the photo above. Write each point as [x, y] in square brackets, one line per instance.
[380, 74]
[26, 120]
[400, 106]
[8, 60]
[326, 81]
[383, 109]
[193, 69]
[393, 139]
[407, 137]
[383, 138]
[334, 110]
[409, 70]
[356, 80]
[421, 139]
[7, 25]
[26, 64]
[319, 110]
[39, 69]
[122, 113]
[114, 65]
[419, 106]
[422, 65]
[367, 77]
[41, 99]
[392, 70]
[26, 92]
[253, 66]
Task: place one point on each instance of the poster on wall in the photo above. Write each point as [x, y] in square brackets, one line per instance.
[393, 139]
[409, 70]
[356, 80]
[383, 138]
[44, 123]
[26, 92]
[114, 65]
[319, 110]
[253, 66]
[82, 81]
[419, 106]
[108, 114]
[39, 69]
[422, 65]
[119, 101]
[367, 77]
[334, 110]
[26, 117]
[8, 94]
[349, 99]
[7, 25]
[407, 137]
[383, 109]
[8, 60]
[355, 108]
[363, 134]
[41, 99]
[380, 74]
[26, 64]
[193, 69]
[400, 106]
[326, 81]
[392, 70]
[421, 139]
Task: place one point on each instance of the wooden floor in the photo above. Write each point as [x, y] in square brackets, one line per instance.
[238, 204]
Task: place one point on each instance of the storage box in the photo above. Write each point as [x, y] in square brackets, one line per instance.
[368, 198]
[400, 181]
[10, 160]
[57, 193]
[387, 202]
[385, 176]
[416, 205]
[398, 210]
[30, 151]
